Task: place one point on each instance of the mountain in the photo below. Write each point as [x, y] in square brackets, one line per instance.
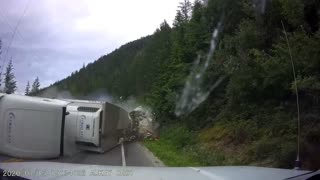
[241, 105]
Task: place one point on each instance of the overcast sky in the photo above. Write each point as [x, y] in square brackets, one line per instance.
[56, 37]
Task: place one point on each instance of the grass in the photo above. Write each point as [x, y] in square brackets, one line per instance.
[170, 155]
[225, 143]
[171, 147]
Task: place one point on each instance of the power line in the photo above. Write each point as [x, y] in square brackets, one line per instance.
[34, 53]
[13, 34]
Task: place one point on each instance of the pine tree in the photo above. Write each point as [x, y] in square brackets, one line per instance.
[10, 83]
[27, 91]
[186, 9]
[178, 20]
[35, 86]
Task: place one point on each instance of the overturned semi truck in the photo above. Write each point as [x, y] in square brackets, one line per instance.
[42, 128]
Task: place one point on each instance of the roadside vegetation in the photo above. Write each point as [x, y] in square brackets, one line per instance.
[250, 118]
[170, 147]
[234, 143]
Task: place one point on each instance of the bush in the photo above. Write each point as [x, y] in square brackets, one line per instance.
[231, 132]
[285, 158]
[265, 148]
[178, 135]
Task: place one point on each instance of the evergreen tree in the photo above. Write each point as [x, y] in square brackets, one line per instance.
[178, 20]
[185, 8]
[35, 86]
[10, 83]
[27, 90]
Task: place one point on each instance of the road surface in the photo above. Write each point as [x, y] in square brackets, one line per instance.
[135, 155]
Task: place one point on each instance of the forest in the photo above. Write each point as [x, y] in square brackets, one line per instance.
[243, 108]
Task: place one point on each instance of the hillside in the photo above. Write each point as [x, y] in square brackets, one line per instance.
[241, 108]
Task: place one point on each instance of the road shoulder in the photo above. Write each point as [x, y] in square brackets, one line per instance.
[156, 161]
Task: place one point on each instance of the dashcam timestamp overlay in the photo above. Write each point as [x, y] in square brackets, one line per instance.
[68, 172]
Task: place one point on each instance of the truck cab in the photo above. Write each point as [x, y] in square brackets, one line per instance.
[31, 127]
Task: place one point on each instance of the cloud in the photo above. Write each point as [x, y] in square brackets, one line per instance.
[55, 37]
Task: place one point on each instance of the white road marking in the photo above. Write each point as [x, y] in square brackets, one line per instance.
[123, 158]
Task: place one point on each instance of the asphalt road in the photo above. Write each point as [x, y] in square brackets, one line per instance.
[135, 155]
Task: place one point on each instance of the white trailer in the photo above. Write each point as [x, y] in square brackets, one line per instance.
[95, 125]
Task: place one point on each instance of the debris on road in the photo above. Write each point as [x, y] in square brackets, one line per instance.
[143, 124]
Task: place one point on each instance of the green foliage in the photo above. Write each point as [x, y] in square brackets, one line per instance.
[27, 90]
[169, 147]
[9, 82]
[276, 151]
[170, 155]
[178, 135]
[35, 86]
[293, 11]
[307, 84]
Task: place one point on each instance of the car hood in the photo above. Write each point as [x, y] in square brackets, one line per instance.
[62, 171]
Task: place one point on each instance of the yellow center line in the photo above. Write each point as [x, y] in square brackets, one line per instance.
[13, 160]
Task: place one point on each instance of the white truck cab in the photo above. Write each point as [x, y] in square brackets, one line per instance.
[31, 127]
